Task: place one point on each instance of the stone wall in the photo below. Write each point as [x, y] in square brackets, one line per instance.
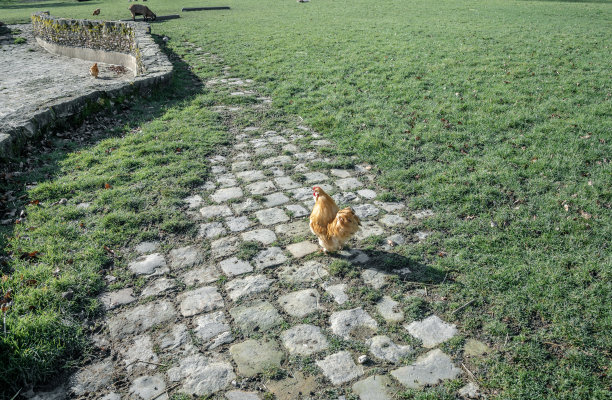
[90, 40]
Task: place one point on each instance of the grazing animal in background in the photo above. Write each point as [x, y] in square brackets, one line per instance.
[96, 12]
[94, 71]
[333, 226]
[138, 9]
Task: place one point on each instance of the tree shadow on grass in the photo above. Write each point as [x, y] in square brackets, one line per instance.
[41, 160]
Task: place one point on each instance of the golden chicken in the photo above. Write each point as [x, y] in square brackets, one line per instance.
[333, 226]
[94, 71]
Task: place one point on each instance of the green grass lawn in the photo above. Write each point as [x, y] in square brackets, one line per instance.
[495, 114]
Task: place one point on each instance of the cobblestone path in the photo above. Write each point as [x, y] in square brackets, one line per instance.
[250, 309]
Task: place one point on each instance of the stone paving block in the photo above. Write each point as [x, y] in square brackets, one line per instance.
[241, 166]
[246, 206]
[301, 194]
[203, 299]
[276, 139]
[382, 347]
[208, 186]
[199, 276]
[210, 212]
[392, 220]
[276, 161]
[211, 230]
[158, 287]
[301, 303]
[275, 199]
[271, 216]
[109, 396]
[234, 266]
[241, 395]
[224, 247]
[422, 235]
[147, 247]
[251, 175]
[138, 348]
[343, 198]
[218, 169]
[238, 224]
[321, 142]
[175, 338]
[255, 356]
[341, 173]
[365, 211]
[369, 228]
[470, 391]
[304, 340]
[291, 148]
[242, 156]
[259, 143]
[217, 159]
[297, 210]
[223, 195]
[225, 181]
[396, 239]
[348, 183]
[261, 187]
[432, 331]
[152, 264]
[201, 377]
[307, 273]
[193, 201]
[213, 329]
[315, 176]
[423, 214]
[185, 257]
[265, 151]
[257, 316]
[301, 249]
[93, 377]
[390, 310]
[269, 257]
[295, 386]
[306, 156]
[148, 388]
[367, 193]
[390, 206]
[263, 236]
[354, 322]
[429, 369]
[376, 387]
[340, 368]
[140, 319]
[375, 278]
[285, 182]
[473, 347]
[239, 288]
[293, 229]
[338, 292]
[112, 300]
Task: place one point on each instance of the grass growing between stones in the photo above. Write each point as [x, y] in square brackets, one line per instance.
[494, 114]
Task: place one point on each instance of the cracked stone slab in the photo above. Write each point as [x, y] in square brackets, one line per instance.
[375, 278]
[257, 316]
[211, 230]
[275, 199]
[112, 300]
[307, 273]
[432, 331]
[235, 266]
[301, 249]
[210, 212]
[369, 228]
[175, 338]
[199, 276]
[271, 216]
[382, 347]
[365, 211]
[255, 356]
[429, 369]
[377, 387]
[392, 220]
[354, 322]
[93, 377]
[304, 340]
[297, 210]
[261, 187]
[139, 349]
[263, 236]
[238, 224]
[158, 287]
[338, 292]
[239, 288]
[301, 303]
[185, 257]
[213, 329]
[224, 247]
[390, 310]
[348, 183]
[203, 299]
[269, 257]
[340, 368]
[152, 264]
[148, 388]
[251, 175]
[140, 319]
[223, 195]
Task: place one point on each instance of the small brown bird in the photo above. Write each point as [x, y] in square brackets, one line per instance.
[333, 227]
[96, 11]
[94, 70]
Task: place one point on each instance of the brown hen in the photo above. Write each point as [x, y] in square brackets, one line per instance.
[333, 227]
